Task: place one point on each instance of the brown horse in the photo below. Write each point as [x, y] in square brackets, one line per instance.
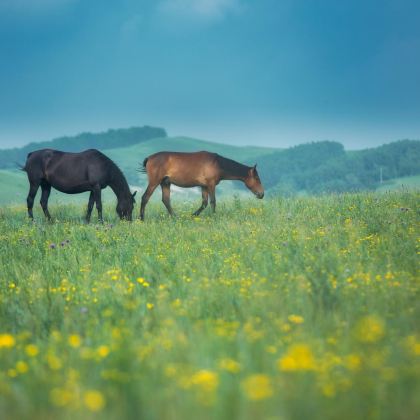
[200, 169]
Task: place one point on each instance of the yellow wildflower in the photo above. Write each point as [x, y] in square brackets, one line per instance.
[94, 400]
[206, 380]
[370, 329]
[21, 366]
[31, 350]
[412, 345]
[6, 341]
[54, 362]
[229, 365]
[299, 357]
[149, 305]
[257, 387]
[352, 362]
[295, 319]
[75, 341]
[103, 351]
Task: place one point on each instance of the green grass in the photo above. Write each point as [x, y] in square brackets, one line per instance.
[273, 309]
[405, 183]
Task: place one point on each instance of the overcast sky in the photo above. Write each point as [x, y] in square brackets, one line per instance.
[267, 72]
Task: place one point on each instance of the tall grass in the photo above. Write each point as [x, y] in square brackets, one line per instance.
[282, 309]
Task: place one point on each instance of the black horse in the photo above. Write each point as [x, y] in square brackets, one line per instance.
[74, 173]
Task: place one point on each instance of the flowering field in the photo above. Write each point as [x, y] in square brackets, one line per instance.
[278, 309]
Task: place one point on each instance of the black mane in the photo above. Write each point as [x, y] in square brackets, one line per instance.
[117, 174]
[231, 167]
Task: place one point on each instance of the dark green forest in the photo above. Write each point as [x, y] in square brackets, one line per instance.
[108, 140]
[326, 167]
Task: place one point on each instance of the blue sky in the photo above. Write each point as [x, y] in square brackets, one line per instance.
[267, 72]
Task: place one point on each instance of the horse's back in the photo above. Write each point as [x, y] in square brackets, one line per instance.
[182, 156]
[185, 169]
[65, 170]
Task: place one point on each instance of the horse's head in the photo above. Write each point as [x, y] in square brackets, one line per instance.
[253, 182]
[125, 207]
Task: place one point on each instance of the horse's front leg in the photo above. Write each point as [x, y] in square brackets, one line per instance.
[90, 207]
[205, 197]
[98, 201]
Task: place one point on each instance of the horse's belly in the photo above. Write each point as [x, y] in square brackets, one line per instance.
[187, 182]
[75, 189]
[70, 189]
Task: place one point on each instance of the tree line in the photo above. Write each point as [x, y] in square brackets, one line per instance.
[326, 167]
[106, 140]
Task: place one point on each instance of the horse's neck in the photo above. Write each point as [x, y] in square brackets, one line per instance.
[232, 177]
[119, 185]
[232, 170]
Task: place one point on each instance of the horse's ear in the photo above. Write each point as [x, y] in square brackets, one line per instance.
[134, 194]
[255, 167]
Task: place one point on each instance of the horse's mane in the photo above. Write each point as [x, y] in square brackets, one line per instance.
[231, 167]
[117, 174]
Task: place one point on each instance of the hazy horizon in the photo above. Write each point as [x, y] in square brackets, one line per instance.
[270, 73]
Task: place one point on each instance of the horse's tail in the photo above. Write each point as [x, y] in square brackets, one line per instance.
[21, 167]
[143, 168]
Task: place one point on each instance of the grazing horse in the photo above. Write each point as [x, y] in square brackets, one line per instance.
[200, 169]
[74, 173]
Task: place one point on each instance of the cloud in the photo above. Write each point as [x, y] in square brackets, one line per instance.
[206, 10]
[32, 7]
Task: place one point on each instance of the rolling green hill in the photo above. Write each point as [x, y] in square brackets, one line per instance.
[404, 183]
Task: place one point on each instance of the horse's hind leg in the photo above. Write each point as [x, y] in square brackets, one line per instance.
[33, 189]
[145, 198]
[212, 193]
[46, 189]
[205, 196]
[166, 196]
[98, 200]
[90, 206]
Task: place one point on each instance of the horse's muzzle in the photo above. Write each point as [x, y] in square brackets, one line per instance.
[260, 195]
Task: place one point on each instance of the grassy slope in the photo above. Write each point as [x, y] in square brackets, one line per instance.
[303, 308]
[14, 185]
[407, 183]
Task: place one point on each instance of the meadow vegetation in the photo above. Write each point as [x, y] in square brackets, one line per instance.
[290, 308]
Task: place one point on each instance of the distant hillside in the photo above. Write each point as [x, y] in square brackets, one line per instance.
[311, 168]
[327, 167]
[106, 140]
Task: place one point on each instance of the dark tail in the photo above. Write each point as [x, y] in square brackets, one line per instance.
[21, 167]
[143, 168]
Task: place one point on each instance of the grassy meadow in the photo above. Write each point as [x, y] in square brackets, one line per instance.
[274, 309]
